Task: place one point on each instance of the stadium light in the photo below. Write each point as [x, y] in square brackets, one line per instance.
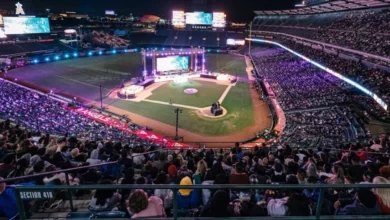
[90, 53]
[66, 56]
[326, 69]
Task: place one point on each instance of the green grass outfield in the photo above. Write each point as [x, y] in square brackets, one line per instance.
[208, 93]
[82, 77]
[238, 103]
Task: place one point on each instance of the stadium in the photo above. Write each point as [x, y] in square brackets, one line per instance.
[193, 113]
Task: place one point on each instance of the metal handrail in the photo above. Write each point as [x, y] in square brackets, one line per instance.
[55, 172]
[175, 188]
[200, 186]
[361, 53]
[68, 170]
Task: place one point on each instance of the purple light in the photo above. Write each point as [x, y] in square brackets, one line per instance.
[204, 60]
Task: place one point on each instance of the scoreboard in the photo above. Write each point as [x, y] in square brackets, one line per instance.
[219, 19]
[178, 19]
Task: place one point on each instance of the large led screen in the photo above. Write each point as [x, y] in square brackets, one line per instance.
[26, 25]
[172, 63]
[199, 18]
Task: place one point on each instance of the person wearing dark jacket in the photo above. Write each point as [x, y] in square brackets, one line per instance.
[217, 205]
[364, 204]
[7, 165]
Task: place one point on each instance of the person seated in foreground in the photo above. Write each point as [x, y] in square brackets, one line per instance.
[140, 206]
[364, 204]
[187, 198]
[8, 206]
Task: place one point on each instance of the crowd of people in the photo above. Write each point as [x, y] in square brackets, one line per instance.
[46, 115]
[283, 164]
[313, 100]
[364, 30]
[375, 79]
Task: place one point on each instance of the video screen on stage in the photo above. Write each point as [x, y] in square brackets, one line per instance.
[26, 25]
[172, 63]
[199, 18]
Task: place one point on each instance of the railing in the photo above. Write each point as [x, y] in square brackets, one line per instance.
[70, 170]
[361, 53]
[46, 190]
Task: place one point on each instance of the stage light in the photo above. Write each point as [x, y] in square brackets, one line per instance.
[100, 52]
[66, 55]
[218, 51]
[35, 61]
[56, 57]
[163, 48]
[89, 53]
[125, 50]
[114, 51]
[181, 49]
[135, 50]
[75, 54]
[47, 59]
[180, 79]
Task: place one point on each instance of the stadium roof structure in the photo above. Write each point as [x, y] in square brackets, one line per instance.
[332, 6]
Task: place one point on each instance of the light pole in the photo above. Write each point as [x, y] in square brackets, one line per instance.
[101, 97]
[177, 111]
[250, 38]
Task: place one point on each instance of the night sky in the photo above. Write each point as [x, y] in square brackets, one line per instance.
[236, 10]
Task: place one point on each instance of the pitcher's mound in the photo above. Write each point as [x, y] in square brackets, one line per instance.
[207, 112]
